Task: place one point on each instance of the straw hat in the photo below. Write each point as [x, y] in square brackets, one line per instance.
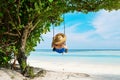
[59, 38]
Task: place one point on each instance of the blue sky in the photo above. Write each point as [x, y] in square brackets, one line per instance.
[95, 30]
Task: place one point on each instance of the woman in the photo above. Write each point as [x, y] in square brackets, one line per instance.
[58, 43]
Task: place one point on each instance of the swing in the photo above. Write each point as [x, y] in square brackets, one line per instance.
[59, 41]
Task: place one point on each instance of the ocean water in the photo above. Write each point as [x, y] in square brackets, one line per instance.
[78, 55]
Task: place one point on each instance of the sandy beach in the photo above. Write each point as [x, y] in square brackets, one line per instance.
[76, 71]
[67, 71]
[50, 75]
[77, 67]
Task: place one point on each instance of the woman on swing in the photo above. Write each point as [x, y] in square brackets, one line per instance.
[58, 43]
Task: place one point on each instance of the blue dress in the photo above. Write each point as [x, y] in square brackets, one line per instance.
[62, 50]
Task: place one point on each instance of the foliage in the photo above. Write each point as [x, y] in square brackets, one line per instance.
[22, 22]
[4, 59]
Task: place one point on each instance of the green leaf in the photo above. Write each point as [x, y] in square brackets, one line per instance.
[11, 1]
[5, 59]
[50, 0]
[1, 51]
[1, 14]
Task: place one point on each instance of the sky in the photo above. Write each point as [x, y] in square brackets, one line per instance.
[95, 30]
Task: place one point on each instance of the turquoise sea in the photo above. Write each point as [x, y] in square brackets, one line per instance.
[98, 56]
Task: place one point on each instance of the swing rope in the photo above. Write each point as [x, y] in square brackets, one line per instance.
[53, 31]
[63, 23]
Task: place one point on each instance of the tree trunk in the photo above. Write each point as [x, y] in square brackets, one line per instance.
[21, 57]
[22, 60]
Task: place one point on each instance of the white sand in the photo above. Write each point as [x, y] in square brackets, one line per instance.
[67, 71]
[77, 67]
[50, 75]
[77, 71]
[7, 74]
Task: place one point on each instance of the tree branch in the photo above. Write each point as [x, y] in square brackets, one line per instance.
[32, 27]
[19, 20]
[25, 35]
[8, 44]
[11, 34]
[35, 24]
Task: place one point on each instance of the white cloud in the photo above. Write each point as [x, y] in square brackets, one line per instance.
[106, 33]
[107, 24]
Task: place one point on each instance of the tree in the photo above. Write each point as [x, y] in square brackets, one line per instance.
[22, 22]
